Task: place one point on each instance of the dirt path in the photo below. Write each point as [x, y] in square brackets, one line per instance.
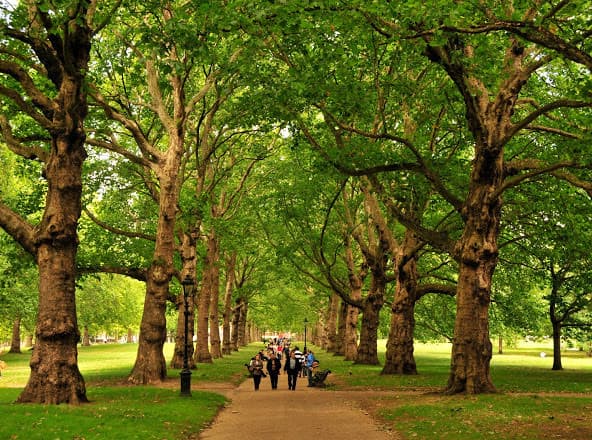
[286, 414]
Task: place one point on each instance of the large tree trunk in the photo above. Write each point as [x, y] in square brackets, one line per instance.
[150, 366]
[368, 346]
[489, 119]
[399, 347]
[60, 65]
[15, 343]
[55, 377]
[331, 323]
[226, 316]
[202, 349]
[478, 253]
[214, 321]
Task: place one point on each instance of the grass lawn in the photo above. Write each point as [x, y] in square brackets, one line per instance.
[116, 410]
[534, 402]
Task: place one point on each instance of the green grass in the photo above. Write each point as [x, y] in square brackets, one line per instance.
[114, 413]
[519, 370]
[492, 417]
[534, 402]
[116, 410]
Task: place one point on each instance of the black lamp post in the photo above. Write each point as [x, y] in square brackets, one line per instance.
[305, 322]
[185, 374]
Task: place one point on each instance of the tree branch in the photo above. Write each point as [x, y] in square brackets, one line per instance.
[135, 273]
[28, 152]
[118, 231]
[18, 228]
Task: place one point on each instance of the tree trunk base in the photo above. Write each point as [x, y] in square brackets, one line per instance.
[405, 368]
[458, 386]
[150, 367]
[54, 381]
[366, 361]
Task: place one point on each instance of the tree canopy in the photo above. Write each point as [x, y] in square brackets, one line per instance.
[339, 161]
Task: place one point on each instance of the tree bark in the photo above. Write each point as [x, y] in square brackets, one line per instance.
[85, 337]
[341, 324]
[236, 319]
[331, 324]
[399, 347]
[556, 346]
[55, 377]
[242, 324]
[15, 342]
[368, 346]
[202, 349]
[150, 366]
[227, 345]
[214, 321]
[478, 254]
[351, 330]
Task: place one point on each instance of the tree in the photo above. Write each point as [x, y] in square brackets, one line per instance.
[553, 252]
[495, 80]
[109, 303]
[160, 145]
[45, 58]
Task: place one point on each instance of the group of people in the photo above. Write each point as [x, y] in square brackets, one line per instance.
[296, 364]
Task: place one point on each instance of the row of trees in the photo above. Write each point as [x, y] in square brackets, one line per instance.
[333, 149]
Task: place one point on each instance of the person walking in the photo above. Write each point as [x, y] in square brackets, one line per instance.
[300, 358]
[292, 368]
[274, 368]
[257, 370]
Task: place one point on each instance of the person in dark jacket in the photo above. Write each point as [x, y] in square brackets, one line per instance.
[274, 367]
[292, 367]
[257, 370]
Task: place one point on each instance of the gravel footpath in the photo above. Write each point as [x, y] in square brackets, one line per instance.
[306, 413]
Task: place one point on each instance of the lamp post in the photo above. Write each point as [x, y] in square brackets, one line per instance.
[305, 322]
[185, 374]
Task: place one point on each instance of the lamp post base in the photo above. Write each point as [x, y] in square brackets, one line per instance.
[185, 382]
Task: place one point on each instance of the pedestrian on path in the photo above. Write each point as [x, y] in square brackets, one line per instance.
[257, 370]
[274, 367]
[300, 358]
[292, 367]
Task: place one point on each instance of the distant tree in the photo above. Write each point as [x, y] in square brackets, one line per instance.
[109, 303]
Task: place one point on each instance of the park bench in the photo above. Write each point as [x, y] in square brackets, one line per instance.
[318, 379]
